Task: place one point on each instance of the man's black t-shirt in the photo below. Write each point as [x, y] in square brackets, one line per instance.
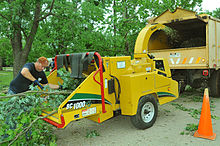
[21, 84]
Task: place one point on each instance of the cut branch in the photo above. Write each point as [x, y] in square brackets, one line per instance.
[41, 92]
[30, 125]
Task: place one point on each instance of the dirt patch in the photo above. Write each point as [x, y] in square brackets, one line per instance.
[171, 122]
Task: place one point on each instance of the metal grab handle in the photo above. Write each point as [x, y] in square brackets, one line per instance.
[55, 62]
[100, 70]
[56, 124]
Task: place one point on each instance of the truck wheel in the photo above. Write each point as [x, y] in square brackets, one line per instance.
[146, 113]
[196, 83]
[182, 86]
[214, 84]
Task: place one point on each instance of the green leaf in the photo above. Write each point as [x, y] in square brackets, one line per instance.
[53, 143]
[1, 117]
[1, 132]
[24, 119]
[10, 132]
[92, 133]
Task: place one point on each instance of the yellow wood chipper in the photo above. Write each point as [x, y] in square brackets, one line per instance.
[115, 84]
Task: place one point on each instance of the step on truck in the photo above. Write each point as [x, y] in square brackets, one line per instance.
[191, 44]
[131, 87]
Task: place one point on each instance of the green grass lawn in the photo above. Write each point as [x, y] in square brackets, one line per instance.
[5, 79]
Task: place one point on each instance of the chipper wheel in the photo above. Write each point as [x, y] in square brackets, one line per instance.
[146, 112]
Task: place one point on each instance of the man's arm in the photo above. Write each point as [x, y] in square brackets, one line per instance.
[52, 86]
[26, 73]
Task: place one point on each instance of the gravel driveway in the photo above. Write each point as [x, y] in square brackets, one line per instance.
[168, 130]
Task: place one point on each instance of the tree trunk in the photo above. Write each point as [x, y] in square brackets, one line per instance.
[16, 42]
[20, 54]
[19, 60]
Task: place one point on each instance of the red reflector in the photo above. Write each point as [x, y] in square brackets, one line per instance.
[205, 72]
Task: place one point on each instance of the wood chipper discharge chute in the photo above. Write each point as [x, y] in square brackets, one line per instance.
[132, 87]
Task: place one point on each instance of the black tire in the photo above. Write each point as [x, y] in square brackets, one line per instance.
[196, 84]
[214, 84]
[146, 112]
[182, 86]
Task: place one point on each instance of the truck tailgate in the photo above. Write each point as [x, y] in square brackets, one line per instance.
[184, 58]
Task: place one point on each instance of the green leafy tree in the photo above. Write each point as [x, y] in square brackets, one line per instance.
[124, 24]
[74, 27]
[159, 6]
[5, 52]
[216, 13]
[110, 27]
[128, 17]
[19, 22]
[57, 33]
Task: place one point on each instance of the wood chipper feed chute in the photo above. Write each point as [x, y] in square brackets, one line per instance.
[86, 100]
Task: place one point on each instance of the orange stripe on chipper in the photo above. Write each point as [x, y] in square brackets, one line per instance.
[184, 60]
[198, 59]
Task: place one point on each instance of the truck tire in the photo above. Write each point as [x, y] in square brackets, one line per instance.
[214, 84]
[146, 112]
[182, 86]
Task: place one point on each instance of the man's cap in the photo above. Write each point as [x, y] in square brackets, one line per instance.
[43, 61]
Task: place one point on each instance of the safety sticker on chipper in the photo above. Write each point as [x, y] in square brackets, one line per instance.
[88, 112]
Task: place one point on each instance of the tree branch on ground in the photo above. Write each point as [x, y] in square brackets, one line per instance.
[27, 128]
[41, 92]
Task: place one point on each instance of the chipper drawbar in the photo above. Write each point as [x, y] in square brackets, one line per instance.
[115, 84]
